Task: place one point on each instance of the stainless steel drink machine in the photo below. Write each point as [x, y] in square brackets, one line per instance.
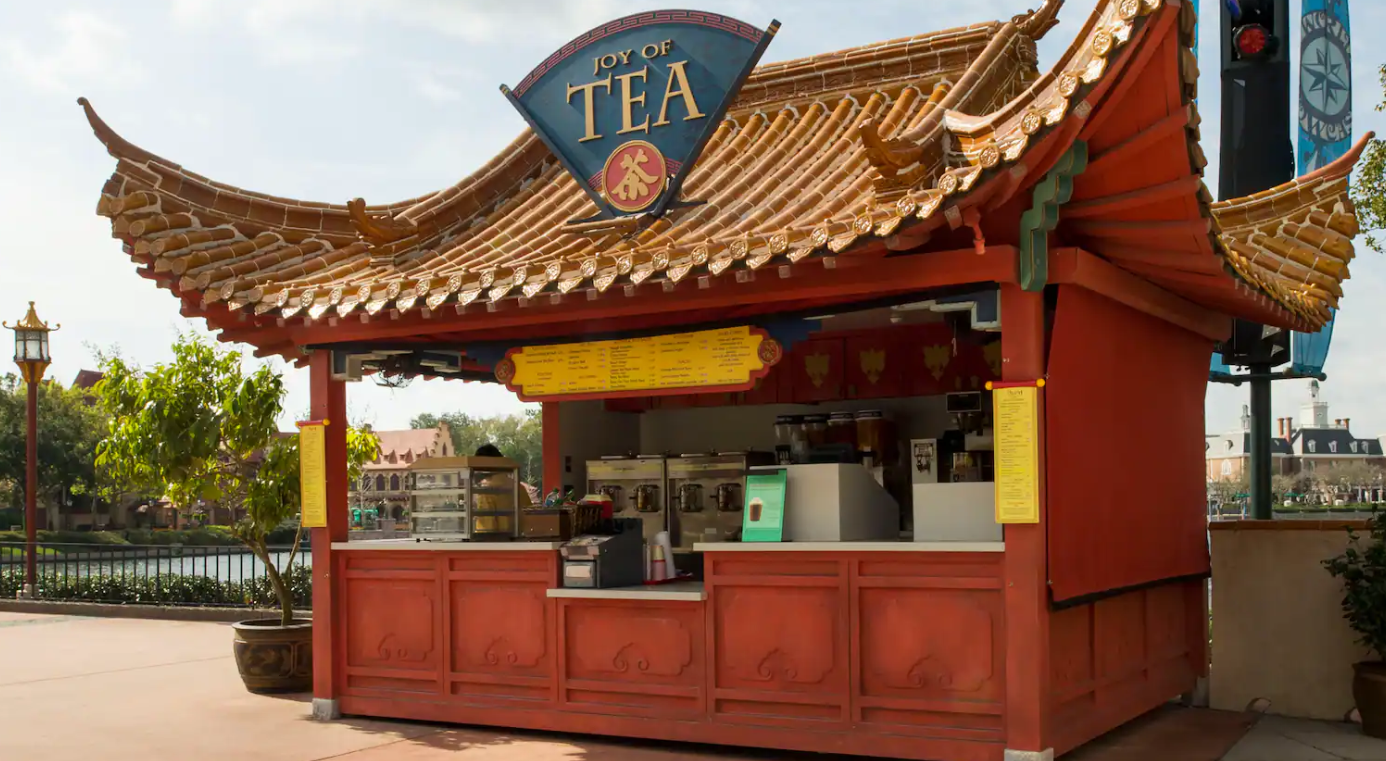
[707, 495]
[637, 487]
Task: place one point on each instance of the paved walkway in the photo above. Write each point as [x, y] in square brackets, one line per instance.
[81, 689]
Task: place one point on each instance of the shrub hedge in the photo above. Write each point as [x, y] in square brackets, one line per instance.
[163, 589]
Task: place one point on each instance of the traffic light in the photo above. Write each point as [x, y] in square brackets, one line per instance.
[1256, 152]
[1256, 32]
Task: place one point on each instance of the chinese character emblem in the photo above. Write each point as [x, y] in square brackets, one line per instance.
[634, 176]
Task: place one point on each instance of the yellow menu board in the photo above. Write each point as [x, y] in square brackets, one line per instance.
[312, 474]
[709, 358]
[1016, 432]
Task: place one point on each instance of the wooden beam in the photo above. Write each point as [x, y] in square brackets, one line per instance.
[849, 279]
[1206, 264]
[1138, 144]
[1123, 76]
[1183, 187]
[1085, 270]
[1142, 231]
[1128, 71]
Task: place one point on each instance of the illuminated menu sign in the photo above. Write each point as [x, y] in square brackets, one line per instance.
[727, 359]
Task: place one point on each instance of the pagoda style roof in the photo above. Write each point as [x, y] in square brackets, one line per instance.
[872, 150]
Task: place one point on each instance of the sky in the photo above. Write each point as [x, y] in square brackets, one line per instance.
[327, 100]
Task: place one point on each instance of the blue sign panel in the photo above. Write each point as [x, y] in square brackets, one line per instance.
[1325, 83]
[628, 106]
[1325, 126]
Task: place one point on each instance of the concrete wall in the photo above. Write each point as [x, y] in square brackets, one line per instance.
[1278, 629]
[586, 431]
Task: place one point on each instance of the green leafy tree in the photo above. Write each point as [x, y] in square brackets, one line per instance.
[519, 437]
[1369, 183]
[201, 428]
[70, 426]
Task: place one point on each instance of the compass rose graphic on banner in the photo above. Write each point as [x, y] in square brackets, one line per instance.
[1325, 83]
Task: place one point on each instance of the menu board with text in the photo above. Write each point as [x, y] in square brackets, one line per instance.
[312, 474]
[1016, 441]
[722, 359]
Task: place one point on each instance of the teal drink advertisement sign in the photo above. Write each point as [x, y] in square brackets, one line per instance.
[763, 518]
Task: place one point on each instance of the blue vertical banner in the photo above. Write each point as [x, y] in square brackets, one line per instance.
[1325, 126]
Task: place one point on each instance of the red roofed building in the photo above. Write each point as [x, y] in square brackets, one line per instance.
[382, 483]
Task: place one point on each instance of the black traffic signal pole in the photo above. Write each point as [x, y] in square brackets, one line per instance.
[1256, 154]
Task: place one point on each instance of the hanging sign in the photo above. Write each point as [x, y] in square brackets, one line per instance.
[727, 359]
[1015, 429]
[1325, 83]
[628, 106]
[312, 473]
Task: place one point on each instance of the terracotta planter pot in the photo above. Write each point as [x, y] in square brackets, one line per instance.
[1369, 690]
[274, 658]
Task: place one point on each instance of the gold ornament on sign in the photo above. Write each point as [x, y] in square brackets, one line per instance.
[817, 366]
[873, 364]
[936, 359]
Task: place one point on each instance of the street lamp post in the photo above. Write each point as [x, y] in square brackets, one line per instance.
[31, 354]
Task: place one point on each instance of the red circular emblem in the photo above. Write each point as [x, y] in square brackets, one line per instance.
[634, 176]
[505, 370]
[770, 351]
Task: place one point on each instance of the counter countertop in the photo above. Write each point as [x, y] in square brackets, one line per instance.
[410, 544]
[688, 591]
[901, 546]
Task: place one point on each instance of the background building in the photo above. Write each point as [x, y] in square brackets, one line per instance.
[382, 483]
[1314, 446]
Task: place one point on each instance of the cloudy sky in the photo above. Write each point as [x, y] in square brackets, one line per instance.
[386, 99]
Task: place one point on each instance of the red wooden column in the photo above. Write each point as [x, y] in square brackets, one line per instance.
[1027, 703]
[327, 401]
[551, 447]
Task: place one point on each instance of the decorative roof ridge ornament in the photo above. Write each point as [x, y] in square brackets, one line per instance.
[378, 229]
[1037, 23]
[116, 145]
[628, 107]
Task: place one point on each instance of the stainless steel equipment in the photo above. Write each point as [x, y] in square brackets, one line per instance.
[637, 487]
[464, 498]
[706, 495]
[606, 561]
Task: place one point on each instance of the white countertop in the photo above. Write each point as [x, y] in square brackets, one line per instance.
[685, 591]
[899, 546]
[410, 544]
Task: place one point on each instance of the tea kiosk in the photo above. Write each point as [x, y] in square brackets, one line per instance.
[688, 253]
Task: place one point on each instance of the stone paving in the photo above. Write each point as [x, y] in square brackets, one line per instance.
[80, 689]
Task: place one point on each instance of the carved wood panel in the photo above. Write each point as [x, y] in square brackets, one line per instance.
[931, 644]
[779, 639]
[638, 657]
[391, 624]
[499, 628]
[636, 642]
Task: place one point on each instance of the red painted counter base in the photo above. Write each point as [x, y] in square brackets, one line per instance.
[875, 653]
[898, 654]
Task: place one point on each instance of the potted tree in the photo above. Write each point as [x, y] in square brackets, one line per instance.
[200, 428]
[1362, 568]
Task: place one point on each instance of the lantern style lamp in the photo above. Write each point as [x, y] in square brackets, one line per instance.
[31, 354]
[31, 345]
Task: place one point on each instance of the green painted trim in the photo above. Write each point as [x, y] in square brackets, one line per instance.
[1043, 216]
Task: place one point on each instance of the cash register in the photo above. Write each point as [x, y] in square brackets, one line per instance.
[603, 561]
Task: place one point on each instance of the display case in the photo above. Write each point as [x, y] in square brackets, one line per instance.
[464, 498]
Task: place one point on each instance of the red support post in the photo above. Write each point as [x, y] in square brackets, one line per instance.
[327, 401]
[1028, 702]
[31, 493]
